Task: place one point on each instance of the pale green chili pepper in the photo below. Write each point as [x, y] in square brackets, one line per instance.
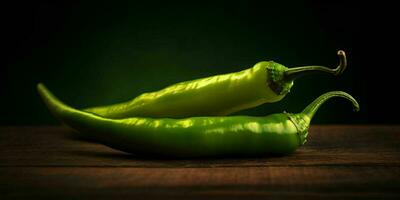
[218, 95]
[197, 136]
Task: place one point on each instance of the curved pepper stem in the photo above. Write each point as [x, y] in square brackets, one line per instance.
[312, 108]
[296, 72]
[302, 120]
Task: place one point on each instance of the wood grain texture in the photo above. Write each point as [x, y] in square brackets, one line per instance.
[220, 182]
[338, 162]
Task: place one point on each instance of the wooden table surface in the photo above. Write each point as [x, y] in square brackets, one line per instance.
[338, 162]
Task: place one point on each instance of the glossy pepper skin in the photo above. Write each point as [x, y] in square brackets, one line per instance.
[218, 95]
[197, 136]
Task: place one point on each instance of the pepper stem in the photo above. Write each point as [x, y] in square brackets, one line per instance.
[296, 72]
[312, 108]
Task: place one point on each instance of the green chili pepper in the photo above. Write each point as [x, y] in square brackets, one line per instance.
[266, 82]
[197, 136]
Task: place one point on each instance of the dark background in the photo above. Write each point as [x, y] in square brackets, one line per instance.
[97, 53]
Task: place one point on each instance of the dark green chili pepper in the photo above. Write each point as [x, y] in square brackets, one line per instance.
[197, 136]
[266, 82]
